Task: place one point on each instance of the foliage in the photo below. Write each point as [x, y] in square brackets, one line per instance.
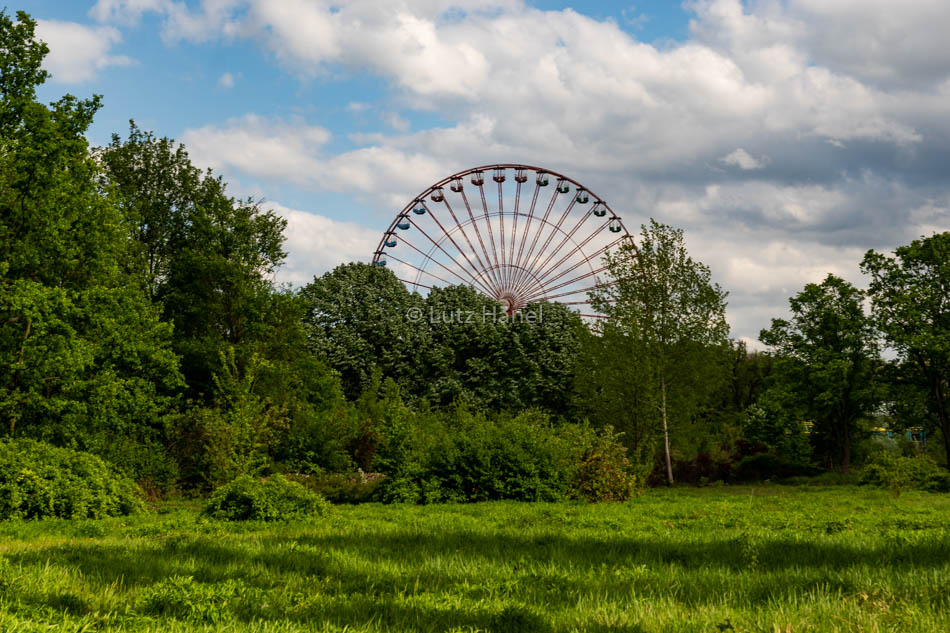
[898, 473]
[357, 487]
[673, 318]
[766, 466]
[273, 499]
[604, 472]
[826, 366]
[909, 302]
[454, 345]
[84, 355]
[39, 481]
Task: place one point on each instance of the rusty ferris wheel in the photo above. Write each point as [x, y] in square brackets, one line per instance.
[544, 245]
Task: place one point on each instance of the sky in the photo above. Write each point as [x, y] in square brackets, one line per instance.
[785, 137]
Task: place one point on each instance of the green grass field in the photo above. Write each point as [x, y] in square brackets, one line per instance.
[768, 558]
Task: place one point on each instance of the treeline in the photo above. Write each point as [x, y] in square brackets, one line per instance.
[139, 321]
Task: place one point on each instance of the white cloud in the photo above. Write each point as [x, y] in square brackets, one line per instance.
[395, 121]
[226, 81]
[744, 160]
[78, 52]
[844, 102]
[316, 244]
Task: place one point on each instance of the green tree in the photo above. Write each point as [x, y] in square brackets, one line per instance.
[84, 359]
[909, 294]
[826, 360]
[361, 319]
[206, 258]
[674, 317]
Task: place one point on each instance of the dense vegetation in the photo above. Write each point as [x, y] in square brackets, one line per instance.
[140, 323]
[768, 558]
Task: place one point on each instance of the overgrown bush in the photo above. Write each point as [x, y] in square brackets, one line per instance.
[40, 481]
[897, 473]
[273, 499]
[355, 487]
[603, 472]
[471, 457]
[768, 466]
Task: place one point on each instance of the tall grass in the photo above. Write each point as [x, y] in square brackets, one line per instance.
[771, 558]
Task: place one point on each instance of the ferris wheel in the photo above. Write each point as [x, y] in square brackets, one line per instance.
[517, 233]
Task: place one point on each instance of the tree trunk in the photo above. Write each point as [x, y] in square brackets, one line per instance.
[666, 431]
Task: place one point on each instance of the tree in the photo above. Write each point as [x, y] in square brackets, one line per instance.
[826, 360]
[359, 320]
[205, 257]
[84, 359]
[910, 295]
[665, 304]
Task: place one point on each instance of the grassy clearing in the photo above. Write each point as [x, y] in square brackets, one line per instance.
[717, 559]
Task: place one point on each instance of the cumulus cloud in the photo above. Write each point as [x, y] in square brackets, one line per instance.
[316, 244]
[226, 81]
[785, 137]
[78, 52]
[744, 160]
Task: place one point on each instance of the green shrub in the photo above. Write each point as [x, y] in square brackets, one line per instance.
[764, 466]
[355, 487]
[603, 473]
[40, 481]
[897, 473]
[274, 499]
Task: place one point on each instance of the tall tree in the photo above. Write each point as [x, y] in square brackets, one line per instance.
[910, 295]
[675, 317]
[827, 357]
[204, 256]
[84, 359]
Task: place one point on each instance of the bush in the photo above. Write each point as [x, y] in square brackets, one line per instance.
[896, 472]
[768, 466]
[40, 481]
[273, 499]
[603, 473]
[355, 487]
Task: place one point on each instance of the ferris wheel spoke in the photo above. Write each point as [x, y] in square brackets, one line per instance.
[576, 292]
[534, 241]
[500, 178]
[566, 283]
[487, 265]
[436, 244]
[427, 258]
[527, 226]
[514, 224]
[421, 271]
[468, 241]
[564, 241]
[579, 248]
[557, 227]
[452, 240]
[491, 233]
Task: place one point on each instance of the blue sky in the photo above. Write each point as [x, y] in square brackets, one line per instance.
[786, 138]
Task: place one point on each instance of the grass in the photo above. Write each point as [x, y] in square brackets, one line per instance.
[770, 558]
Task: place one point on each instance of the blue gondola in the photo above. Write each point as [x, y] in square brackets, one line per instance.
[403, 223]
[390, 241]
[419, 210]
[380, 262]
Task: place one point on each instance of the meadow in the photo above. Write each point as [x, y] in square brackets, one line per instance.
[764, 558]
